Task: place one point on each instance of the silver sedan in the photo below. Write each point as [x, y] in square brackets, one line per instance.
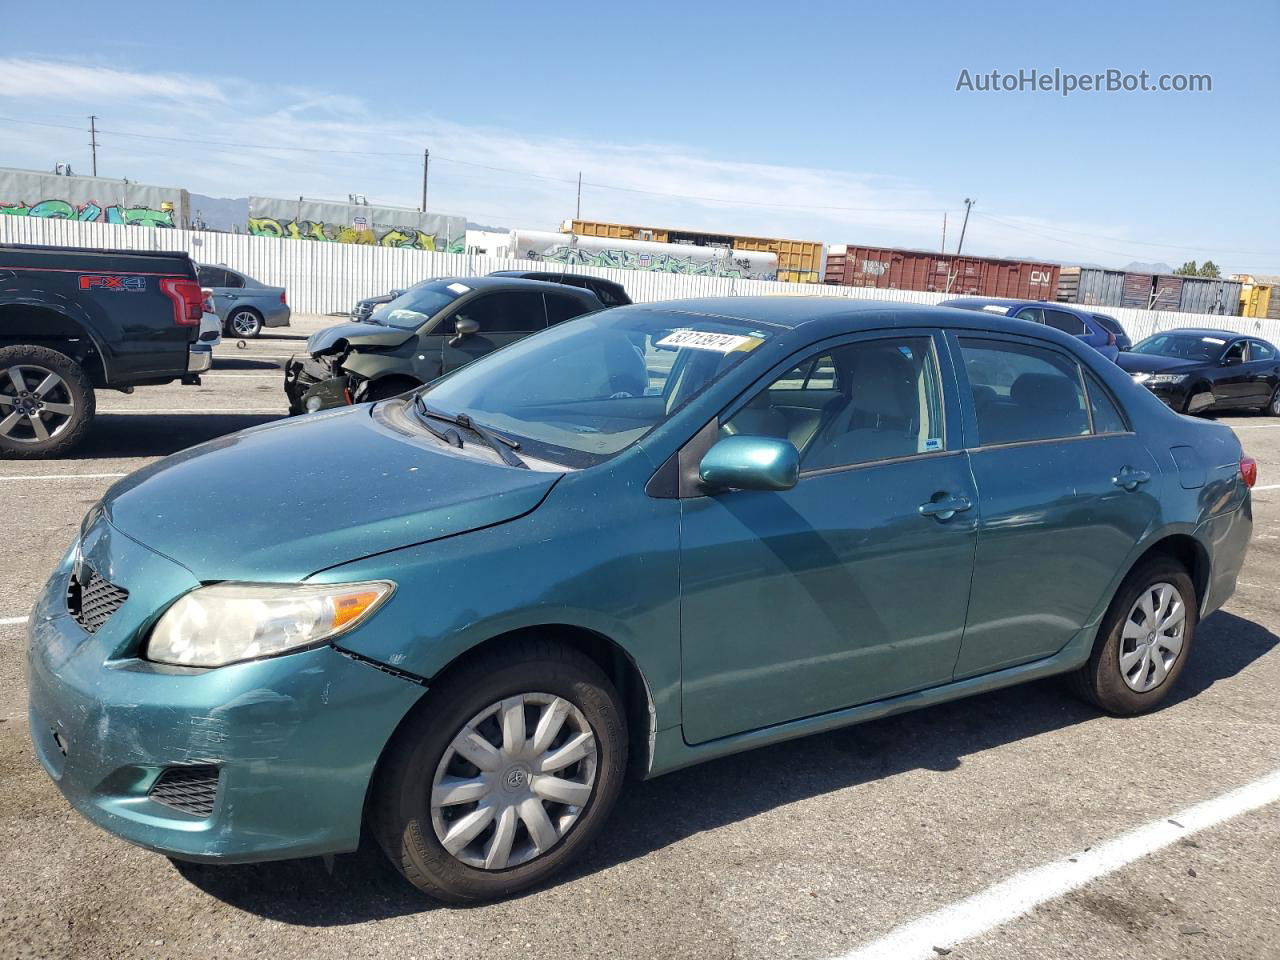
[243, 304]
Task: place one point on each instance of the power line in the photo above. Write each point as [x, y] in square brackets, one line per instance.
[1141, 243]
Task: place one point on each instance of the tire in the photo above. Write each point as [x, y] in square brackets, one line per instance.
[388, 387]
[57, 388]
[244, 323]
[422, 754]
[1272, 409]
[1103, 679]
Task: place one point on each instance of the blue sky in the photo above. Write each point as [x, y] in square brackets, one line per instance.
[780, 112]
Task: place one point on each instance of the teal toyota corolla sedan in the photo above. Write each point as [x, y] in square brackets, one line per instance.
[638, 540]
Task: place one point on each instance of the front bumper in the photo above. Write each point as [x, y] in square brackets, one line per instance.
[294, 739]
[314, 383]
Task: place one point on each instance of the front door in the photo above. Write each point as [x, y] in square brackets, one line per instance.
[503, 316]
[1065, 489]
[851, 586]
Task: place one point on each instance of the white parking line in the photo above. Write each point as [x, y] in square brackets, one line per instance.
[67, 476]
[12, 621]
[1268, 486]
[1252, 426]
[1022, 892]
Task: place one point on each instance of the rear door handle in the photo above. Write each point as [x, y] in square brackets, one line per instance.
[1129, 479]
[946, 508]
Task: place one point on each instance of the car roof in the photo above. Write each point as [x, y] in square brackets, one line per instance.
[511, 283]
[966, 302]
[516, 274]
[836, 313]
[1210, 332]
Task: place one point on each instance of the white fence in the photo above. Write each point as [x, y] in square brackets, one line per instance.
[330, 277]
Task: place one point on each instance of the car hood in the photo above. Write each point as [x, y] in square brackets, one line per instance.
[358, 335]
[1154, 363]
[282, 501]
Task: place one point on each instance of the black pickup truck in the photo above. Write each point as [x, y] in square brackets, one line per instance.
[73, 320]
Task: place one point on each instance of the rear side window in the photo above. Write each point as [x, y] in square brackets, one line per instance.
[211, 277]
[1066, 322]
[1106, 416]
[233, 279]
[1109, 324]
[1261, 351]
[1021, 393]
[561, 308]
[609, 295]
[514, 312]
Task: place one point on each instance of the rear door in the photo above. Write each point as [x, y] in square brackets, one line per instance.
[504, 316]
[1264, 371]
[1065, 491]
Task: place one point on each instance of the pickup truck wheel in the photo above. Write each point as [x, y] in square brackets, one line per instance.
[244, 323]
[46, 402]
[502, 773]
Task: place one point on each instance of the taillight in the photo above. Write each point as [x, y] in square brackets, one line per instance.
[206, 300]
[187, 299]
[282, 299]
[1111, 339]
[1248, 470]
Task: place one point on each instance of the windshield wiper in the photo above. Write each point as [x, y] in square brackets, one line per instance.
[505, 447]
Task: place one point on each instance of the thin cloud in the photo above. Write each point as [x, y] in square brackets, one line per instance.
[54, 80]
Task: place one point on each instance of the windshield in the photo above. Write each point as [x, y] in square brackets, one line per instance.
[581, 392]
[1183, 346]
[419, 304]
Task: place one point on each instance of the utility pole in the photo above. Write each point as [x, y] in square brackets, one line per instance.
[967, 204]
[944, 231]
[426, 163]
[578, 213]
[93, 142]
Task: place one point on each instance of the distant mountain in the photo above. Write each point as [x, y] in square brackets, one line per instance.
[220, 213]
[1139, 267]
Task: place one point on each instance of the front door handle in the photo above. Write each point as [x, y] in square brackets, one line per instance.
[1129, 479]
[946, 508]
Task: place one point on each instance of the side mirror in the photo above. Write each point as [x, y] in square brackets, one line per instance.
[463, 327]
[751, 463]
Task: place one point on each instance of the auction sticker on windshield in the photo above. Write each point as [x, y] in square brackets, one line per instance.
[699, 340]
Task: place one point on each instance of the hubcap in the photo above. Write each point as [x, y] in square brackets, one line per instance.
[35, 404]
[513, 781]
[1152, 638]
[244, 323]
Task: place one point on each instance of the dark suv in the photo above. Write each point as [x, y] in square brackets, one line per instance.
[427, 331]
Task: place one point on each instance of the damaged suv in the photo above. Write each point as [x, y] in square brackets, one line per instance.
[427, 331]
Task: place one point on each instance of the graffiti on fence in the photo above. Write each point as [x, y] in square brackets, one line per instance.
[356, 223]
[91, 212]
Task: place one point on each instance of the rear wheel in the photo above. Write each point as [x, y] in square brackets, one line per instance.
[46, 402]
[244, 322]
[1272, 409]
[504, 774]
[1144, 639]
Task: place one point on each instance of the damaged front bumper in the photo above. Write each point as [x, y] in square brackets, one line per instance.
[316, 383]
[271, 759]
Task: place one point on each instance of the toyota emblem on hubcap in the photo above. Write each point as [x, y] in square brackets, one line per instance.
[516, 778]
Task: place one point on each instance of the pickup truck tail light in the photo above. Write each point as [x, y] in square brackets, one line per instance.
[206, 300]
[187, 299]
[282, 299]
[1248, 470]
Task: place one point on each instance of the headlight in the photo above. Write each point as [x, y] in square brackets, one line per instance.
[227, 622]
[1152, 379]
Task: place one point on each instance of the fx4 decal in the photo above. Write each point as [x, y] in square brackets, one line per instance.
[98, 281]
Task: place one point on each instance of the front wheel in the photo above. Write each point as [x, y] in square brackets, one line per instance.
[1143, 641]
[244, 323]
[503, 774]
[46, 402]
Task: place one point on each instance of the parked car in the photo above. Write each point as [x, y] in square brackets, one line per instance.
[1195, 370]
[365, 308]
[73, 321]
[650, 537]
[244, 305]
[1113, 326]
[1094, 329]
[611, 294]
[430, 329]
